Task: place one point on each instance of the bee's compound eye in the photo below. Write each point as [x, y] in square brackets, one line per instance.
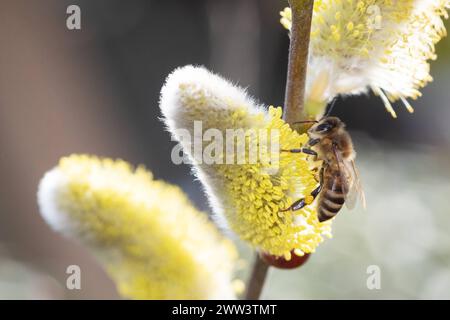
[324, 127]
[281, 262]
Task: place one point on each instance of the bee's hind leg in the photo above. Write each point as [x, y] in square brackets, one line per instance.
[300, 204]
[317, 190]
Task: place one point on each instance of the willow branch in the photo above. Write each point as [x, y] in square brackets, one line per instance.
[298, 60]
[257, 279]
[293, 105]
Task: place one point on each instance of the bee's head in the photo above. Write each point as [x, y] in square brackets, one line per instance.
[326, 126]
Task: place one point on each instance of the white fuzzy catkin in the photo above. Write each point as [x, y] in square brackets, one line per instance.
[250, 197]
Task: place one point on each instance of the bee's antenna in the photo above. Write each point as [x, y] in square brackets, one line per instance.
[330, 107]
[306, 121]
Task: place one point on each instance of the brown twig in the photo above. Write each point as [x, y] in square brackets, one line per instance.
[293, 106]
[298, 60]
[257, 279]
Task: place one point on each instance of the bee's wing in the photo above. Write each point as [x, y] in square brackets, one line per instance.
[355, 191]
[351, 184]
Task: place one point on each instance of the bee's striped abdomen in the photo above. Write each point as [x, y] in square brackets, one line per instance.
[331, 198]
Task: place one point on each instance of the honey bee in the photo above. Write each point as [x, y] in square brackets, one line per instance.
[339, 181]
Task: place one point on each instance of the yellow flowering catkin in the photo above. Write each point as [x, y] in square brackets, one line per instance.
[249, 196]
[380, 44]
[146, 233]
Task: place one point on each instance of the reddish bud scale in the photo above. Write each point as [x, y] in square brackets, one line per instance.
[282, 263]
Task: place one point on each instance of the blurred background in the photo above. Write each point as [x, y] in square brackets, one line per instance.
[96, 90]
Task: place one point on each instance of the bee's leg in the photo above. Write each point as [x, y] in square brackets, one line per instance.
[299, 204]
[301, 150]
[313, 142]
[317, 190]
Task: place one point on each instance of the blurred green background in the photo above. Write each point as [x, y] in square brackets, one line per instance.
[95, 90]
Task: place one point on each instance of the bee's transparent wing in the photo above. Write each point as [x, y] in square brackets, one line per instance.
[351, 184]
[355, 191]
